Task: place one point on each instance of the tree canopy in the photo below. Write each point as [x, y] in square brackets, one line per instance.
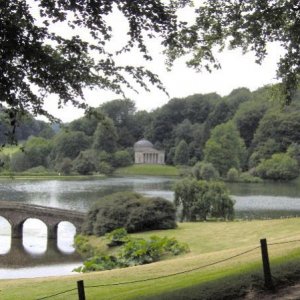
[249, 25]
[36, 61]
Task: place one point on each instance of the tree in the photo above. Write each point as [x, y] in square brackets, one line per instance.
[294, 152]
[283, 126]
[181, 153]
[86, 124]
[37, 150]
[204, 171]
[84, 164]
[279, 167]
[247, 119]
[183, 131]
[37, 61]
[121, 112]
[19, 162]
[202, 199]
[65, 166]
[225, 149]
[122, 158]
[248, 25]
[105, 136]
[69, 144]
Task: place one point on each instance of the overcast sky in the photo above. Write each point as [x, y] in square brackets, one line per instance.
[238, 70]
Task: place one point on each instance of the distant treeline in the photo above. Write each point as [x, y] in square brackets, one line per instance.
[241, 132]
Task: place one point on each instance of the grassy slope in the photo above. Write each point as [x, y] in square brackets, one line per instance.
[209, 242]
[155, 170]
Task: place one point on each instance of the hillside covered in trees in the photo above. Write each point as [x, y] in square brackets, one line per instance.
[241, 132]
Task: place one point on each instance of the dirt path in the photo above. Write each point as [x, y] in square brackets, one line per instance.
[286, 293]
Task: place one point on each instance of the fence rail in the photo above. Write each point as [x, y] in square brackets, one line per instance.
[265, 262]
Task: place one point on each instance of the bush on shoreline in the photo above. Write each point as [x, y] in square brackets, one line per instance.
[132, 211]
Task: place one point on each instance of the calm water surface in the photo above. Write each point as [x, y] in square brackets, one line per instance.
[34, 257]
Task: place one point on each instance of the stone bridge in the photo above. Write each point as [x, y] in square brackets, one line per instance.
[17, 213]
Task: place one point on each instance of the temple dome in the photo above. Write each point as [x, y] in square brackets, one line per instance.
[143, 144]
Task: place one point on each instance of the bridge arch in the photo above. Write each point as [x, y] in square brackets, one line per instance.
[34, 235]
[66, 232]
[5, 223]
[5, 235]
[17, 213]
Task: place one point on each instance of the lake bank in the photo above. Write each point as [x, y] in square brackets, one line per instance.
[253, 201]
[209, 243]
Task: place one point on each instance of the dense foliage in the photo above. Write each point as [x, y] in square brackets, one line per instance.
[212, 134]
[279, 167]
[129, 210]
[38, 61]
[200, 200]
[135, 251]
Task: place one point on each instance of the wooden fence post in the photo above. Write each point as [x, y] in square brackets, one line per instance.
[80, 288]
[266, 264]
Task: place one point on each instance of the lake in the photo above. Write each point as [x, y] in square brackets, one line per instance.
[34, 257]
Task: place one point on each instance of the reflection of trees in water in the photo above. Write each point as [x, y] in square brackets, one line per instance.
[288, 189]
[265, 214]
[19, 256]
[78, 195]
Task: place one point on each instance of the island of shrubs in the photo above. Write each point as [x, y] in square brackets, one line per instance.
[131, 211]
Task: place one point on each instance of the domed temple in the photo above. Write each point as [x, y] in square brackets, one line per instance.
[145, 153]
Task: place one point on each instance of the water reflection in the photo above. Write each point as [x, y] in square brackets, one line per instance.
[34, 236]
[5, 236]
[20, 256]
[267, 200]
[35, 249]
[76, 194]
[65, 237]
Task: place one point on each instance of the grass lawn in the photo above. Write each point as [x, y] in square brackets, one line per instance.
[154, 170]
[209, 242]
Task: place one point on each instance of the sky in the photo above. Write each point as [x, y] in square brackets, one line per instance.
[237, 71]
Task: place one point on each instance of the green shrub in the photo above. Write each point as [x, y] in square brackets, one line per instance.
[122, 159]
[83, 247]
[4, 162]
[233, 175]
[105, 168]
[279, 167]
[129, 210]
[99, 263]
[134, 252]
[205, 171]
[208, 172]
[248, 178]
[65, 166]
[117, 237]
[84, 164]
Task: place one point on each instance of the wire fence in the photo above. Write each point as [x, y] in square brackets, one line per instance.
[265, 259]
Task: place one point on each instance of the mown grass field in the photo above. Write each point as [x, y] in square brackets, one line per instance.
[154, 170]
[209, 242]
